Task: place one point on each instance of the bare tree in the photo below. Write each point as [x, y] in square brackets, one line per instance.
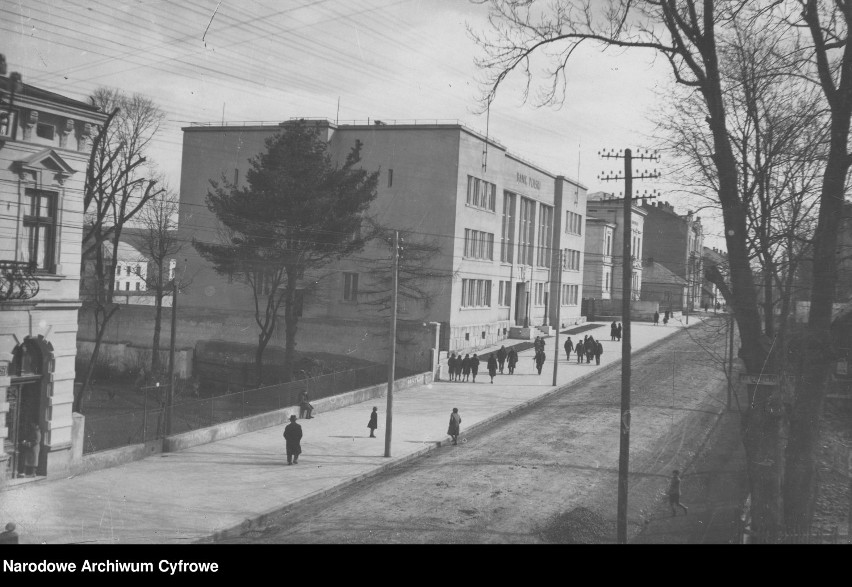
[159, 244]
[119, 182]
[689, 35]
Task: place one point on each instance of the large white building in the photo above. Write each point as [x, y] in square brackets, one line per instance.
[45, 140]
[500, 221]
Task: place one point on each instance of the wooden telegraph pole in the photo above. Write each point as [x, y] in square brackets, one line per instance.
[392, 358]
[626, 294]
[556, 353]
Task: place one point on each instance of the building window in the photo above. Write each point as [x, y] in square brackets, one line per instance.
[350, 287]
[504, 293]
[570, 295]
[236, 176]
[608, 245]
[138, 286]
[573, 223]
[478, 244]
[571, 260]
[606, 280]
[545, 234]
[390, 178]
[507, 236]
[45, 131]
[481, 194]
[527, 232]
[126, 286]
[40, 228]
[539, 294]
[476, 293]
[127, 269]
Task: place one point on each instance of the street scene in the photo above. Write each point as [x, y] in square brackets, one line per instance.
[405, 272]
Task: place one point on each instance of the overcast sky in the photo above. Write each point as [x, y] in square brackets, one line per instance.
[272, 60]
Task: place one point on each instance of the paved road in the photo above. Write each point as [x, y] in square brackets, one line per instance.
[510, 484]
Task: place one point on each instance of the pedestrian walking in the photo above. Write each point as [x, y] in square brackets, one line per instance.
[613, 331]
[666, 319]
[451, 366]
[32, 449]
[459, 367]
[293, 440]
[590, 346]
[454, 428]
[492, 366]
[305, 407]
[580, 352]
[619, 331]
[374, 421]
[598, 352]
[674, 494]
[466, 367]
[512, 358]
[501, 357]
[569, 346]
[539, 360]
[474, 366]
[656, 318]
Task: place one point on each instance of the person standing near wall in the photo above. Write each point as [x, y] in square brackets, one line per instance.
[32, 449]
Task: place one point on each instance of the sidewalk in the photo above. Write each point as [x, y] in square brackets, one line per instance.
[231, 485]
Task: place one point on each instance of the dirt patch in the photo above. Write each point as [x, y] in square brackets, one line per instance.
[579, 526]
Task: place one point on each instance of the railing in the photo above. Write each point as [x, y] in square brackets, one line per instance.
[17, 280]
[138, 426]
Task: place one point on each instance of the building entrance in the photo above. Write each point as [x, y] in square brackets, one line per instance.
[520, 303]
[24, 398]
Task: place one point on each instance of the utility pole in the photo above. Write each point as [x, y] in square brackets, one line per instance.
[626, 295]
[560, 255]
[392, 358]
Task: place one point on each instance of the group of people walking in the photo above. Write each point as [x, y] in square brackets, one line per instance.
[467, 367]
[587, 349]
[615, 331]
[666, 317]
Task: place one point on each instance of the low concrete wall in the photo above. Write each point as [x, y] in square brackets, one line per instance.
[126, 356]
[80, 463]
[279, 417]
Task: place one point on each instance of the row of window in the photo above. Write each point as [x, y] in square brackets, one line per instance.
[481, 193]
[478, 244]
[476, 293]
[571, 260]
[570, 294]
[573, 223]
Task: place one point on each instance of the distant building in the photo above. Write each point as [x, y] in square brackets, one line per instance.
[605, 249]
[500, 223]
[677, 243]
[45, 140]
[661, 285]
[710, 294]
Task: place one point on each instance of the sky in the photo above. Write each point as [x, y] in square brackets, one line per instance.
[272, 60]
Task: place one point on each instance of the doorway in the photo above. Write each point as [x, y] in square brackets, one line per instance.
[520, 303]
[24, 397]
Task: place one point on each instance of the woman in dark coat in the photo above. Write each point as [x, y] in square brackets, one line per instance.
[613, 331]
[492, 366]
[32, 448]
[590, 346]
[293, 440]
[374, 422]
[466, 367]
[539, 361]
[451, 366]
[454, 428]
[512, 358]
[501, 357]
[458, 367]
[474, 366]
[580, 351]
[619, 331]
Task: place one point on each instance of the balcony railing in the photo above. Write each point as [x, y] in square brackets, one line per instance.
[17, 281]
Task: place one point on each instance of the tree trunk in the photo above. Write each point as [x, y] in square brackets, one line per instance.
[803, 440]
[262, 341]
[155, 344]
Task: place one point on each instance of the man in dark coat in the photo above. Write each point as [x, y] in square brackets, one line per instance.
[451, 366]
[656, 318]
[539, 360]
[501, 357]
[32, 448]
[492, 366]
[619, 331]
[580, 352]
[512, 358]
[465, 363]
[569, 346]
[474, 366]
[598, 352]
[374, 421]
[613, 330]
[459, 366]
[590, 346]
[293, 438]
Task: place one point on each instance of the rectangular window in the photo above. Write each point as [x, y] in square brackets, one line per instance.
[476, 293]
[126, 286]
[390, 178]
[573, 223]
[481, 193]
[545, 234]
[608, 245]
[527, 232]
[40, 228]
[350, 287]
[507, 298]
[606, 281]
[507, 236]
[45, 131]
[478, 244]
[570, 294]
[138, 286]
[504, 293]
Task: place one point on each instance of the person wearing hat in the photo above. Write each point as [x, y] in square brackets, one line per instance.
[293, 437]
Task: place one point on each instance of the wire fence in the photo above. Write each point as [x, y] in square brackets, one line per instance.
[103, 432]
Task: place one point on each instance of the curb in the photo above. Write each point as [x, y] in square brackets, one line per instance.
[259, 521]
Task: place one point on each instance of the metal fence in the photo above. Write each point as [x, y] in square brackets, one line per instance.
[103, 432]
